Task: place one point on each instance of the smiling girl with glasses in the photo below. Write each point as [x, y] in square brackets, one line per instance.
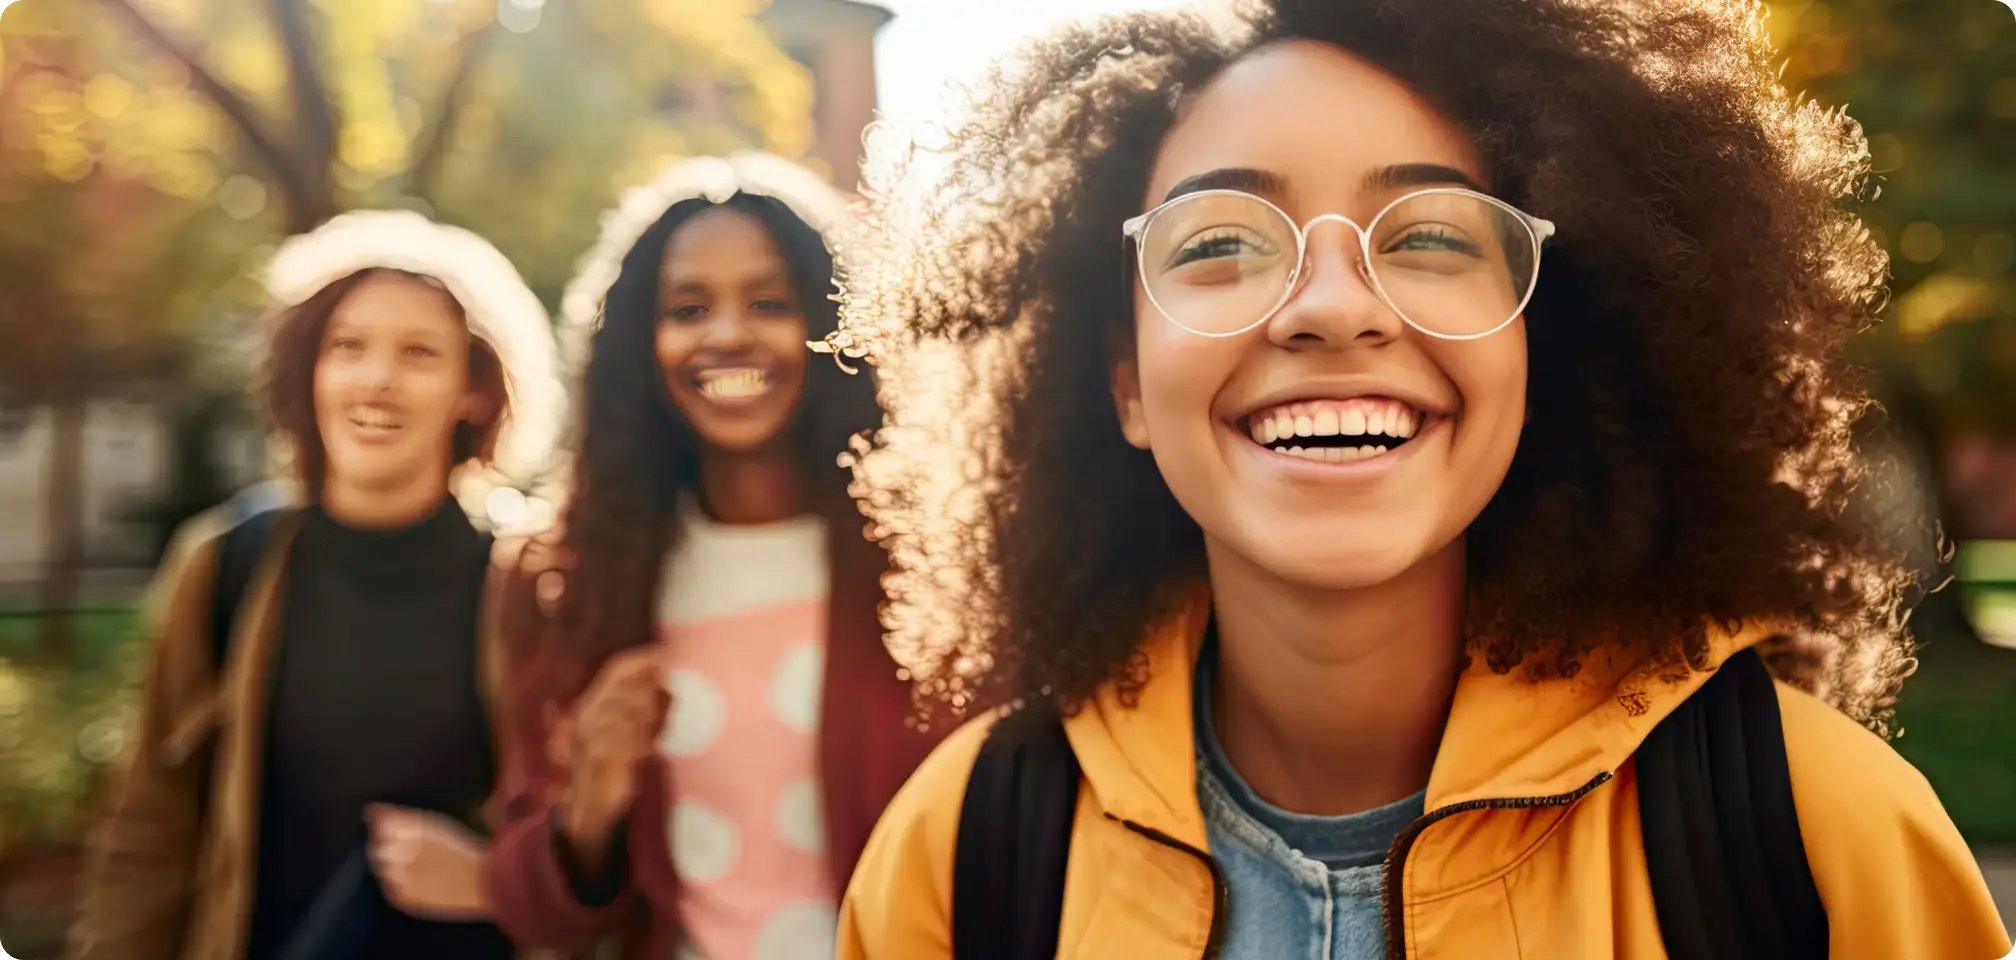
[1370, 586]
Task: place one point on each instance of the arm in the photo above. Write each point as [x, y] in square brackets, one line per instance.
[570, 834]
[541, 897]
[564, 872]
[139, 883]
[1894, 874]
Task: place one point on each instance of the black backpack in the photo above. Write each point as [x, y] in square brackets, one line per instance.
[1729, 874]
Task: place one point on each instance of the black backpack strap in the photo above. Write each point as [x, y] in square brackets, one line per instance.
[1015, 840]
[238, 554]
[1728, 866]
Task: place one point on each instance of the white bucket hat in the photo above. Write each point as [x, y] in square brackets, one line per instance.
[501, 310]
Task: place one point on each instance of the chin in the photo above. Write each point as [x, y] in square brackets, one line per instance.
[1340, 569]
[1320, 557]
[743, 440]
[373, 469]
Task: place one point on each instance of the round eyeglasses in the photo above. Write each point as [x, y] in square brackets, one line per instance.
[1453, 263]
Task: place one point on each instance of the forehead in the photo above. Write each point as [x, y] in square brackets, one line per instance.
[1315, 115]
[722, 245]
[396, 303]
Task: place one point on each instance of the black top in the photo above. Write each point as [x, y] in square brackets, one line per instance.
[373, 699]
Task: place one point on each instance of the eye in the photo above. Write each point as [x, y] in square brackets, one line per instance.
[346, 345]
[774, 306]
[686, 312]
[421, 351]
[1219, 242]
[1433, 237]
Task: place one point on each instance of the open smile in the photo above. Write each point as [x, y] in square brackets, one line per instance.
[732, 384]
[1335, 430]
[376, 424]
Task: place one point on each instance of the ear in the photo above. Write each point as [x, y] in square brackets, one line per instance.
[474, 408]
[1127, 402]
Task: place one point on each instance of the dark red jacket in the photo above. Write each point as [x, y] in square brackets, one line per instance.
[866, 751]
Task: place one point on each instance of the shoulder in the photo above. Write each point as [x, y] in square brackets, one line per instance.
[1893, 871]
[204, 530]
[193, 547]
[922, 821]
[902, 888]
[177, 604]
[1847, 775]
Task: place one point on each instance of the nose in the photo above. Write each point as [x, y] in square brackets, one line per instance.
[727, 328]
[377, 370]
[1333, 303]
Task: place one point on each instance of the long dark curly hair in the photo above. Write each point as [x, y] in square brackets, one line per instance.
[1689, 461]
[638, 455]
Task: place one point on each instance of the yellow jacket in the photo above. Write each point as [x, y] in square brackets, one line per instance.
[1530, 849]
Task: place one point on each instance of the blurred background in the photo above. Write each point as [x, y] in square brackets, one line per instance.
[153, 151]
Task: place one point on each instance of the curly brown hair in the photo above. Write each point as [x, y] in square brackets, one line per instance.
[1690, 460]
[288, 381]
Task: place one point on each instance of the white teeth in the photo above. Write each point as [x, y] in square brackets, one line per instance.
[1326, 423]
[733, 384]
[1334, 454]
[1330, 419]
[1351, 423]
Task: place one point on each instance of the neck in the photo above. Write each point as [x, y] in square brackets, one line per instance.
[382, 506]
[758, 486]
[1331, 702]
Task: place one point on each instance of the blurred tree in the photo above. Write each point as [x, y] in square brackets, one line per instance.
[148, 148]
[1933, 83]
[101, 261]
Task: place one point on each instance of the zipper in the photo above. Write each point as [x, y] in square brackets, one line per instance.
[1396, 857]
[1216, 934]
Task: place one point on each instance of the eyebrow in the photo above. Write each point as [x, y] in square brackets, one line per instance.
[696, 286]
[1381, 180]
[1399, 175]
[1246, 179]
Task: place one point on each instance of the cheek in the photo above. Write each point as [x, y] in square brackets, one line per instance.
[1490, 375]
[785, 340]
[440, 393]
[670, 347]
[1180, 374]
[327, 388]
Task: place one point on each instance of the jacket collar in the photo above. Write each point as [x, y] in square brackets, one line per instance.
[1508, 736]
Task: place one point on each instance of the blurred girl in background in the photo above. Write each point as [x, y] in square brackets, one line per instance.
[313, 663]
[718, 722]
